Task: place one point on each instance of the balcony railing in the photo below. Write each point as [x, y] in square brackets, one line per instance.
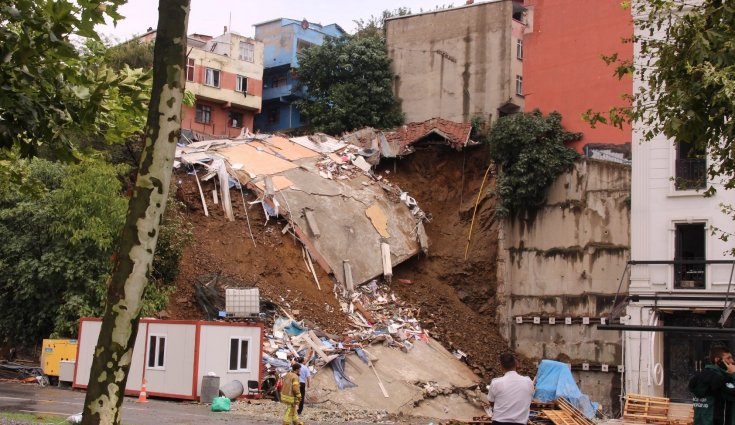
[689, 274]
[691, 173]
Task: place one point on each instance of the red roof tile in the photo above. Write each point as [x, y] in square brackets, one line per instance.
[455, 133]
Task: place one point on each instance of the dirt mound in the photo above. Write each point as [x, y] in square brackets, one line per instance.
[456, 296]
[274, 263]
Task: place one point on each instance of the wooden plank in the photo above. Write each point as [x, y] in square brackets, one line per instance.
[315, 343]
[380, 382]
[201, 194]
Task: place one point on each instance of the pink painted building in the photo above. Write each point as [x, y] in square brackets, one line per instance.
[225, 74]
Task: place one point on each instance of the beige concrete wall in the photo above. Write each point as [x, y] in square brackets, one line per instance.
[566, 260]
[453, 63]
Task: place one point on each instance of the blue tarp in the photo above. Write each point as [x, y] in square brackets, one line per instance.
[338, 367]
[554, 380]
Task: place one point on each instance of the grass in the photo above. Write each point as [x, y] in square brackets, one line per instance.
[18, 418]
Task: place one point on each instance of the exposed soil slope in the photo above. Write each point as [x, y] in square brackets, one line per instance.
[456, 296]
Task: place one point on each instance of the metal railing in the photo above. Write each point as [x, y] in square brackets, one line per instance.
[691, 173]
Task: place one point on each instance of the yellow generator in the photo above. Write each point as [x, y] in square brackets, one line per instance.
[54, 351]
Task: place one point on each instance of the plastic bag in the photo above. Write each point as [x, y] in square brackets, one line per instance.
[221, 404]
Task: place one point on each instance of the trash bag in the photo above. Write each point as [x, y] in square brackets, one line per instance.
[221, 404]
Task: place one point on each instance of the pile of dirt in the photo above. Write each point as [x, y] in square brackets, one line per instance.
[456, 296]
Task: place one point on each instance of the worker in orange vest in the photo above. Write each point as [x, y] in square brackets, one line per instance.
[291, 395]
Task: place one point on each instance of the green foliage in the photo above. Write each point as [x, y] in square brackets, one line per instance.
[52, 93]
[530, 151]
[687, 64]
[349, 85]
[375, 25]
[58, 246]
[133, 53]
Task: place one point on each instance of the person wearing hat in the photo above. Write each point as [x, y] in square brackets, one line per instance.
[291, 395]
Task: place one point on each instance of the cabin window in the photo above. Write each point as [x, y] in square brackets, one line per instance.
[156, 351]
[239, 354]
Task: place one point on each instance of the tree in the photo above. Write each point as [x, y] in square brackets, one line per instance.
[52, 92]
[58, 241]
[349, 85]
[687, 66]
[113, 353]
[530, 151]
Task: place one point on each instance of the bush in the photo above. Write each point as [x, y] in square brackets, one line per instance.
[529, 150]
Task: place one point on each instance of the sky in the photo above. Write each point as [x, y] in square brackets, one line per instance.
[211, 16]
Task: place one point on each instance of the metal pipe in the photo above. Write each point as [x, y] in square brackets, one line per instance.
[666, 329]
[664, 262]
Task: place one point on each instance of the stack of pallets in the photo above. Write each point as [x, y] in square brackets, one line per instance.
[656, 410]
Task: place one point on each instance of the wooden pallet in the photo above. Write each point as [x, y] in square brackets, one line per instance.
[559, 417]
[646, 409]
[681, 414]
[578, 416]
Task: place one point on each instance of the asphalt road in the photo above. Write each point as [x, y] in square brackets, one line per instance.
[31, 398]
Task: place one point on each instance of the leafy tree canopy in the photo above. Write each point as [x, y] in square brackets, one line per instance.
[349, 85]
[52, 93]
[687, 65]
[58, 245]
[530, 151]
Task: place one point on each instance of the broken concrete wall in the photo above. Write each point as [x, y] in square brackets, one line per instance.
[454, 63]
[563, 264]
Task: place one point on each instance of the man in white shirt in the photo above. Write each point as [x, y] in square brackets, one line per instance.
[510, 395]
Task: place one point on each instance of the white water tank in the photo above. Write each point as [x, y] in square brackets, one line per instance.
[242, 302]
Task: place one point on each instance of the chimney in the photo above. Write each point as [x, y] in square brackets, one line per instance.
[469, 2]
[225, 29]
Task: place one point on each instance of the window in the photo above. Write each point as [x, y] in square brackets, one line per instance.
[519, 49]
[519, 85]
[239, 354]
[189, 69]
[302, 44]
[274, 115]
[156, 351]
[691, 167]
[204, 114]
[211, 77]
[241, 84]
[247, 51]
[235, 119]
[690, 256]
[279, 81]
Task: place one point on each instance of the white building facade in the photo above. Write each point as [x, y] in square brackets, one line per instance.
[680, 268]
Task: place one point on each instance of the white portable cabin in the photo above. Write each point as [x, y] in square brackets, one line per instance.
[172, 356]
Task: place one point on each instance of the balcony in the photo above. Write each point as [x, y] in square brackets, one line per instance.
[691, 174]
[287, 92]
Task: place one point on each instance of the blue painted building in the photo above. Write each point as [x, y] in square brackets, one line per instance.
[283, 39]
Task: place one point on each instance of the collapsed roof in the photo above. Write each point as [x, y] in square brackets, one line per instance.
[353, 224]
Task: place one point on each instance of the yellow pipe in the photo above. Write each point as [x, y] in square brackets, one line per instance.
[477, 202]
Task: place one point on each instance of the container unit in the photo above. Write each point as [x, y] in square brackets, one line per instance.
[173, 356]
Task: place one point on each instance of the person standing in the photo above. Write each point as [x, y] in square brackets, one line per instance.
[510, 395]
[291, 395]
[304, 381]
[714, 389]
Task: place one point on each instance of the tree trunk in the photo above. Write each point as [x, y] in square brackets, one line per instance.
[114, 350]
